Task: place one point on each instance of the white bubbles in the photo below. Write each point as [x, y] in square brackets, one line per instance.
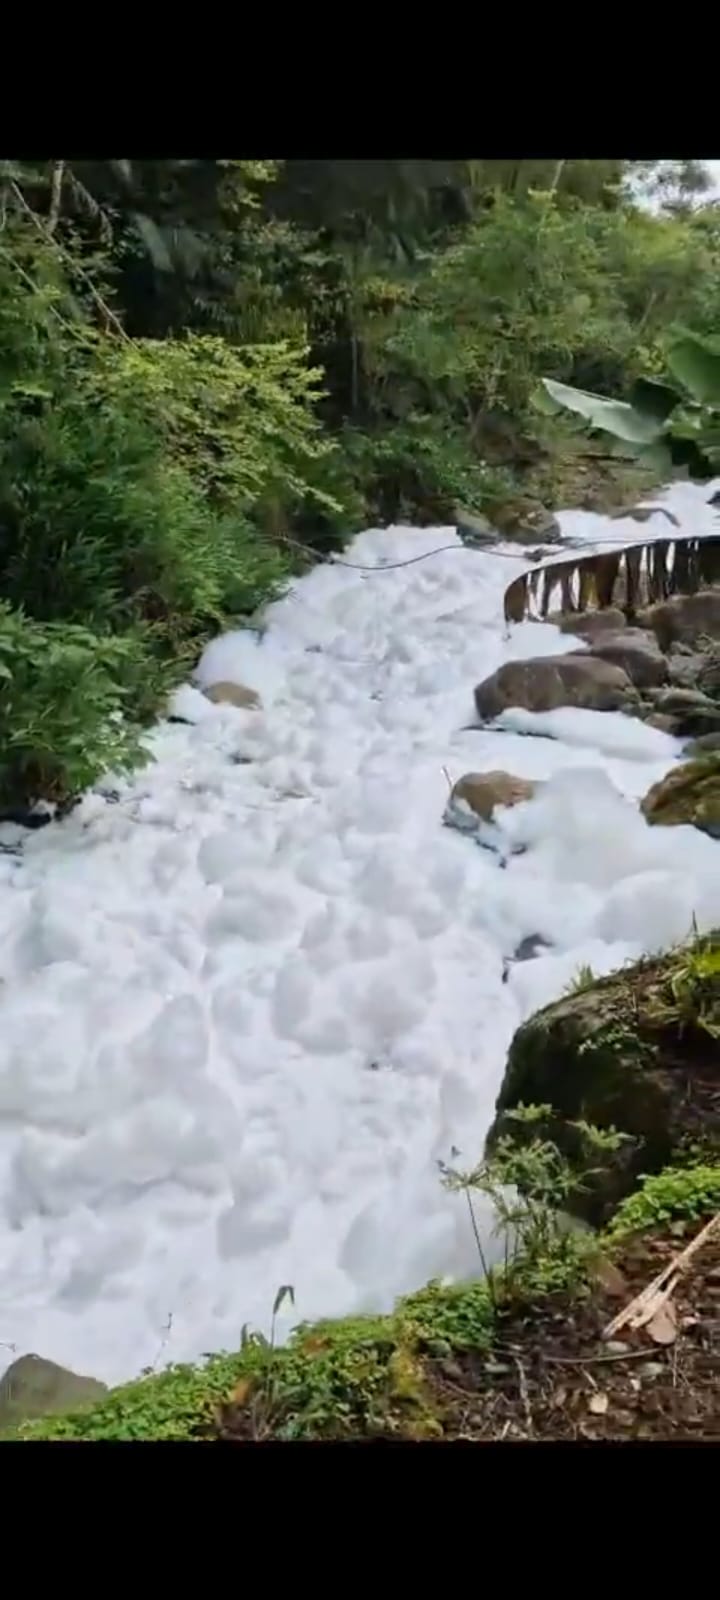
[253, 993]
[257, 915]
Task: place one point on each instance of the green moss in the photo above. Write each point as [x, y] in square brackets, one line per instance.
[676, 1193]
[174, 1404]
[355, 1377]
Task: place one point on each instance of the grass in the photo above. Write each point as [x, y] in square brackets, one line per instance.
[373, 1376]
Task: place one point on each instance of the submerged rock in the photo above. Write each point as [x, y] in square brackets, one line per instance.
[636, 1051]
[481, 792]
[544, 683]
[530, 947]
[33, 1387]
[687, 794]
[233, 694]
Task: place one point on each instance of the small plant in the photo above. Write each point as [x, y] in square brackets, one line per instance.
[531, 1185]
[63, 697]
[672, 423]
[695, 986]
[583, 979]
[678, 1193]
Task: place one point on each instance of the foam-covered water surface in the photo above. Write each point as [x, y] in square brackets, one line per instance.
[247, 1007]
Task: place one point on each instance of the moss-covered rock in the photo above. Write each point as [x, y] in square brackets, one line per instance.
[688, 794]
[638, 1051]
[33, 1387]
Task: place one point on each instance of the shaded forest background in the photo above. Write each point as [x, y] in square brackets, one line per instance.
[205, 365]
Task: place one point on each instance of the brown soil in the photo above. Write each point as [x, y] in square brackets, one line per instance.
[553, 1377]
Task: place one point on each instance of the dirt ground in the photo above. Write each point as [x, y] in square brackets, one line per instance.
[552, 1377]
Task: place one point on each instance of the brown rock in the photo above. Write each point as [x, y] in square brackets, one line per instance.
[637, 652]
[544, 683]
[707, 744]
[687, 794]
[685, 618]
[684, 670]
[233, 694]
[663, 721]
[33, 1387]
[588, 624]
[483, 791]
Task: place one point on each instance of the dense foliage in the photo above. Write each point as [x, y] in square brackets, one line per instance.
[199, 358]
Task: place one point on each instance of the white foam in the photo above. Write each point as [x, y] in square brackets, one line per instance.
[613, 736]
[249, 1006]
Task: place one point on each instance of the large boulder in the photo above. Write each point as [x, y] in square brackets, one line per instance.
[634, 1051]
[546, 682]
[33, 1387]
[687, 794]
[480, 792]
[473, 529]
[233, 694]
[684, 670]
[685, 618]
[637, 652]
[589, 624]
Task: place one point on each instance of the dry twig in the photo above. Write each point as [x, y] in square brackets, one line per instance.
[654, 1298]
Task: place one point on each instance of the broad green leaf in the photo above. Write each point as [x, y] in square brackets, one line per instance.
[697, 365]
[612, 416]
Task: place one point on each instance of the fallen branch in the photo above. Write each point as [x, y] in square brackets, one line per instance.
[654, 1298]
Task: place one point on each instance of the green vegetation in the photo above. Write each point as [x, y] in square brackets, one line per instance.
[365, 1376]
[677, 1194]
[629, 1053]
[372, 1376]
[202, 359]
[670, 424]
[583, 979]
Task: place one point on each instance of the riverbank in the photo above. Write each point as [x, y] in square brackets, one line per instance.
[524, 1357]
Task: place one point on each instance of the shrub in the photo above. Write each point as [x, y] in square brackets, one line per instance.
[675, 1194]
[421, 470]
[63, 697]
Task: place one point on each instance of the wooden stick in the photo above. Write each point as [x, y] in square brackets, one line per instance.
[638, 1308]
